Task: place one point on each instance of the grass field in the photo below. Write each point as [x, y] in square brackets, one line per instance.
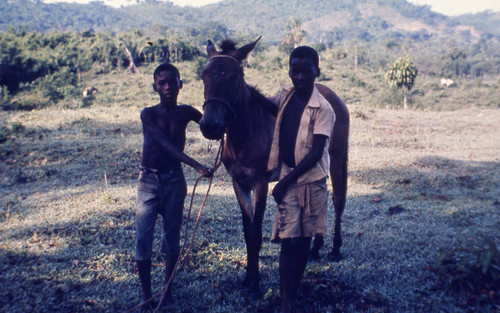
[421, 182]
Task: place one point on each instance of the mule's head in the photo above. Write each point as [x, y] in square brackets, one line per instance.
[224, 86]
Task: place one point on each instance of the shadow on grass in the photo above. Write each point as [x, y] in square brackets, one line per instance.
[87, 264]
[434, 178]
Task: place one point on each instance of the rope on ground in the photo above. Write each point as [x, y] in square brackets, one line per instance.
[162, 292]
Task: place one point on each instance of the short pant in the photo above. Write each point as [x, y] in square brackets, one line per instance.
[163, 194]
[303, 211]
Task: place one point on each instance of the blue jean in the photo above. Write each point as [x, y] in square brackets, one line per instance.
[161, 194]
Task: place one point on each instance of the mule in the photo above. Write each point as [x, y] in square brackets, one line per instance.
[234, 108]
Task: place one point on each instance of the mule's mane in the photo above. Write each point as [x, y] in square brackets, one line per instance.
[227, 45]
[258, 97]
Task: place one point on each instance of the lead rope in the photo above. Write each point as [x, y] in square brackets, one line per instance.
[217, 163]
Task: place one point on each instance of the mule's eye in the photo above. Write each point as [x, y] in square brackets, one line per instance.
[220, 74]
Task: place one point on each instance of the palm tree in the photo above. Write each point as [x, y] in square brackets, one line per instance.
[402, 74]
[295, 35]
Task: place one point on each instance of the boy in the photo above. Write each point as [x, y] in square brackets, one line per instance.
[304, 124]
[162, 187]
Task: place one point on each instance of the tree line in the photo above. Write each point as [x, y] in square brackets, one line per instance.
[48, 66]
[51, 63]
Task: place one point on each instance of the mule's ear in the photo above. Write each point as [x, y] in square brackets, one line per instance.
[211, 51]
[242, 53]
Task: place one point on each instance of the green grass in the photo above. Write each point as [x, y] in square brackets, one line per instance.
[67, 233]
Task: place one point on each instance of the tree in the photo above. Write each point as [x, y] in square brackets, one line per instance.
[294, 37]
[131, 67]
[402, 74]
[455, 63]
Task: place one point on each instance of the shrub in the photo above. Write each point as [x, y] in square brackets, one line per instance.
[87, 101]
[388, 97]
[473, 273]
[4, 133]
[17, 127]
[4, 95]
[27, 101]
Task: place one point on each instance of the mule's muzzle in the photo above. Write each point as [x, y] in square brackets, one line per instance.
[214, 119]
[211, 128]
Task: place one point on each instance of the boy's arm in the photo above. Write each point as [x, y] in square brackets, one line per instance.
[313, 157]
[150, 128]
[195, 115]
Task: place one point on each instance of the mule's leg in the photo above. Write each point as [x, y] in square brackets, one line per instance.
[255, 243]
[253, 236]
[318, 243]
[338, 173]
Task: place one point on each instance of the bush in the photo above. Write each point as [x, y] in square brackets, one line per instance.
[473, 273]
[27, 101]
[388, 97]
[199, 64]
[4, 95]
[17, 127]
[87, 101]
[4, 133]
[6, 137]
[59, 85]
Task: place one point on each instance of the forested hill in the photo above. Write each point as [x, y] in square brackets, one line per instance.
[325, 20]
[487, 21]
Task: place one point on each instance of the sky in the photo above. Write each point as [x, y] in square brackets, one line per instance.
[447, 7]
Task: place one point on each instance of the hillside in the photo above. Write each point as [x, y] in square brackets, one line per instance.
[37, 16]
[488, 21]
[326, 20]
[364, 19]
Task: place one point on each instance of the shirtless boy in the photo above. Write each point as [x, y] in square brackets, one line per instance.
[162, 186]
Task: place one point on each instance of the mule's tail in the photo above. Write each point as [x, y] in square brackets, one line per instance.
[340, 188]
[338, 171]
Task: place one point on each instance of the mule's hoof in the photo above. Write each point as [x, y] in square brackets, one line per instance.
[299, 306]
[246, 282]
[335, 256]
[252, 286]
[255, 292]
[166, 300]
